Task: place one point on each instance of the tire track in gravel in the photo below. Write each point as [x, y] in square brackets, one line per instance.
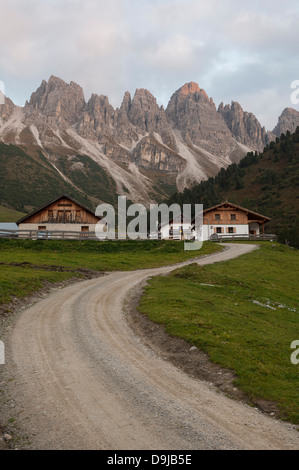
[83, 380]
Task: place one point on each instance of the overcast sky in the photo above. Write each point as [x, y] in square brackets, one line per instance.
[245, 51]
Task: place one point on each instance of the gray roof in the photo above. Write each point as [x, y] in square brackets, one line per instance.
[8, 226]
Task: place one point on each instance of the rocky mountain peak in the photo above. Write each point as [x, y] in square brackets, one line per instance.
[56, 102]
[243, 125]
[192, 90]
[144, 101]
[192, 112]
[126, 103]
[188, 98]
[287, 121]
[99, 104]
[56, 81]
[6, 109]
[145, 113]
[189, 88]
[96, 118]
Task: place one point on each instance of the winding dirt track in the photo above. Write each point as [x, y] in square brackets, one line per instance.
[85, 381]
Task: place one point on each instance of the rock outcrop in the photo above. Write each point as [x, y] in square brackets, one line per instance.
[152, 154]
[244, 126]
[96, 118]
[6, 109]
[195, 115]
[287, 121]
[55, 103]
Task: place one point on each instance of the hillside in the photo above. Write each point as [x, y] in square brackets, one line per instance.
[9, 215]
[29, 180]
[266, 182]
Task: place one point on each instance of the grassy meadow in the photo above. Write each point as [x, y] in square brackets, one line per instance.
[9, 215]
[243, 313]
[27, 264]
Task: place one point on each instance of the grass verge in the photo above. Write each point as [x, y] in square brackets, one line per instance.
[243, 313]
[20, 281]
[26, 264]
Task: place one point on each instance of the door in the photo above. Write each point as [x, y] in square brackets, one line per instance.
[85, 230]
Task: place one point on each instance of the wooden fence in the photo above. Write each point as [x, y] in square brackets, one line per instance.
[48, 234]
[239, 237]
[72, 235]
[62, 235]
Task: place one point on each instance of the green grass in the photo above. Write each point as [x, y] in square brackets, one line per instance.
[22, 281]
[9, 215]
[213, 308]
[17, 167]
[95, 255]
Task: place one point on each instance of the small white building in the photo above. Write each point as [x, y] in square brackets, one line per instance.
[180, 228]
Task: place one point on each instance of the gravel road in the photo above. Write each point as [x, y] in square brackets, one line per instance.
[79, 378]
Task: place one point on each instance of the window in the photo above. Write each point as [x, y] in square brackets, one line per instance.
[233, 217]
[42, 227]
[60, 216]
[217, 216]
[84, 230]
[218, 229]
[230, 229]
[67, 216]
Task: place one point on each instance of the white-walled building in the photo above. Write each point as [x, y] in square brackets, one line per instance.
[230, 219]
[225, 219]
[63, 214]
[177, 229]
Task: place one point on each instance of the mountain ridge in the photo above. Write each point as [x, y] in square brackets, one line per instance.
[143, 147]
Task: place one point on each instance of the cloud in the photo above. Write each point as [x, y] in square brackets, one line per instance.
[235, 50]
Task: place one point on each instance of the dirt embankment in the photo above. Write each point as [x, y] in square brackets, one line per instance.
[188, 358]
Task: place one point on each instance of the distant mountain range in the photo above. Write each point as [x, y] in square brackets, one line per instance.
[140, 150]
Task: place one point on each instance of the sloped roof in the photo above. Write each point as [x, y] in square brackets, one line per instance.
[55, 200]
[237, 207]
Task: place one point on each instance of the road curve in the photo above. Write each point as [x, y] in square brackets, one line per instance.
[83, 380]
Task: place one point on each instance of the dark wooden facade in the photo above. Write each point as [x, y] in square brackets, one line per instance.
[227, 213]
[63, 210]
